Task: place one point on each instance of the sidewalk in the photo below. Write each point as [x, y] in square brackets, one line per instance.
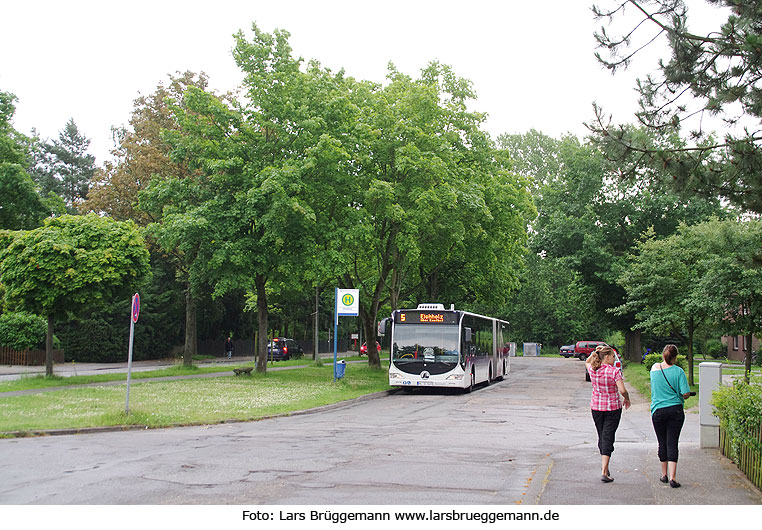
[12, 372]
[572, 475]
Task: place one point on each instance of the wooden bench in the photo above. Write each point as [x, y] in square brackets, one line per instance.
[244, 371]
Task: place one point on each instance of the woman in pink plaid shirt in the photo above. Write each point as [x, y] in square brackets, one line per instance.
[606, 407]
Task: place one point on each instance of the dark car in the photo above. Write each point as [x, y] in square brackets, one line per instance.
[567, 351]
[283, 349]
[364, 348]
[584, 348]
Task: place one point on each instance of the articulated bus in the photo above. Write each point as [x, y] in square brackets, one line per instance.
[432, 346]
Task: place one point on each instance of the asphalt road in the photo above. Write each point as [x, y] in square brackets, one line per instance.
[524, 441]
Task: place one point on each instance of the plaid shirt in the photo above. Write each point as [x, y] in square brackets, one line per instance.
[605, 393]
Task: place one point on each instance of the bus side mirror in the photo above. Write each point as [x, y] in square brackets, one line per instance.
[382, 326]
[467, 333]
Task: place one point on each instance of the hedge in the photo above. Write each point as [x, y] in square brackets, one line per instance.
[23, 331]
[739, 408]
[653, 358]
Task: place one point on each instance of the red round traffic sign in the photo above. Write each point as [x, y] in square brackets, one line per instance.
[135, 307]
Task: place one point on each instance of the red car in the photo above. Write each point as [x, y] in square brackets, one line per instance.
[364, 348]
[584, 348]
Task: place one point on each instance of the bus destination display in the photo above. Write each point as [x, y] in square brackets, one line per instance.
[426, 317]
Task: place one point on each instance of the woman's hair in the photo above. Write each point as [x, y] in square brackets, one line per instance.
[599, 353]
[670, 354]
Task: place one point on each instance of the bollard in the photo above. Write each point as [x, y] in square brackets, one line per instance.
[710, 375]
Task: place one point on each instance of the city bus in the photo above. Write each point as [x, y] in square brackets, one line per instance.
[435, 347]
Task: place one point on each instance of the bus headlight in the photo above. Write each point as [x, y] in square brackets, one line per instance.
[455, 377]
[394, 376]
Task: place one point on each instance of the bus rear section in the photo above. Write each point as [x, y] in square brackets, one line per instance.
[434, 347]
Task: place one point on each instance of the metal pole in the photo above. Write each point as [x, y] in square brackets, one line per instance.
[335, 328]
[317, 323]
[129, 366]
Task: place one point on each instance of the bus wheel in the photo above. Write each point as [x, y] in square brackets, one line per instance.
[489, 376]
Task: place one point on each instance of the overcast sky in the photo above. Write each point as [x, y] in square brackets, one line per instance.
[531, 63]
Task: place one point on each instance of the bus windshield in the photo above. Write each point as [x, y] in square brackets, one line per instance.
[425, 342]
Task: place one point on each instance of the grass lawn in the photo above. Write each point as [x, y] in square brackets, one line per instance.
[41, 381]
[636, 376]
[189, 401]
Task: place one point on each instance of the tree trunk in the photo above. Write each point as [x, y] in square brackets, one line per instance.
[368, 319]
[261, 283]
[691, 329]
[49, 348]
[434, 288]
[191, 338]
[747, 360]
[632, 346]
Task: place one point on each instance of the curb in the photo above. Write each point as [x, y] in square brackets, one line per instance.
[118, 428]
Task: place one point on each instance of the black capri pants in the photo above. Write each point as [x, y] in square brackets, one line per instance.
[606, 423]
[668, 422]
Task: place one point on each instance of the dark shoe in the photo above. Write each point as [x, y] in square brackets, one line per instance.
[674, 484]
[664, 479]
[606, 478]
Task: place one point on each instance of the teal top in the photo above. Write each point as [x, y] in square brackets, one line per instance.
[661, 394]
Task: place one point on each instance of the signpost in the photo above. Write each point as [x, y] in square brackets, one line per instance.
[347, 305]
[134, 318]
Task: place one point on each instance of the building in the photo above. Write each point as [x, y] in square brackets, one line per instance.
[737, 346]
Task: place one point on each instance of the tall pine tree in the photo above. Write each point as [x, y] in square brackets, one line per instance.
[64, 167]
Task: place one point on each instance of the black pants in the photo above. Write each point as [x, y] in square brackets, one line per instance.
[668, 422]
[606, 423]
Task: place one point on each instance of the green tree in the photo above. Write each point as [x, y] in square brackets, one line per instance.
[425, 191]
[705, 273]
[552, 305]
[660, 282]
[241, 212]
[71, 264]
[715, 75]
[22, 207]
[591, 220]
[732, 283]
[64, 167]
[140, 152]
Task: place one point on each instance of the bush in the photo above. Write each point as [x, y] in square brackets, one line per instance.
[715, 349]
[653, 358]
[22, 331]
[739, 408]
[94, 340]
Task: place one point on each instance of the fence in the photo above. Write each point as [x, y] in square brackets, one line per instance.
[27, 357]
[748, 459]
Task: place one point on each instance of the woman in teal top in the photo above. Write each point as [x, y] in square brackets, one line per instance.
[669, 388]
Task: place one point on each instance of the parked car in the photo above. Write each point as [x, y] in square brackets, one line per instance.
[364, 348]
[567, 351]
[583, 348]
[283, 349]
